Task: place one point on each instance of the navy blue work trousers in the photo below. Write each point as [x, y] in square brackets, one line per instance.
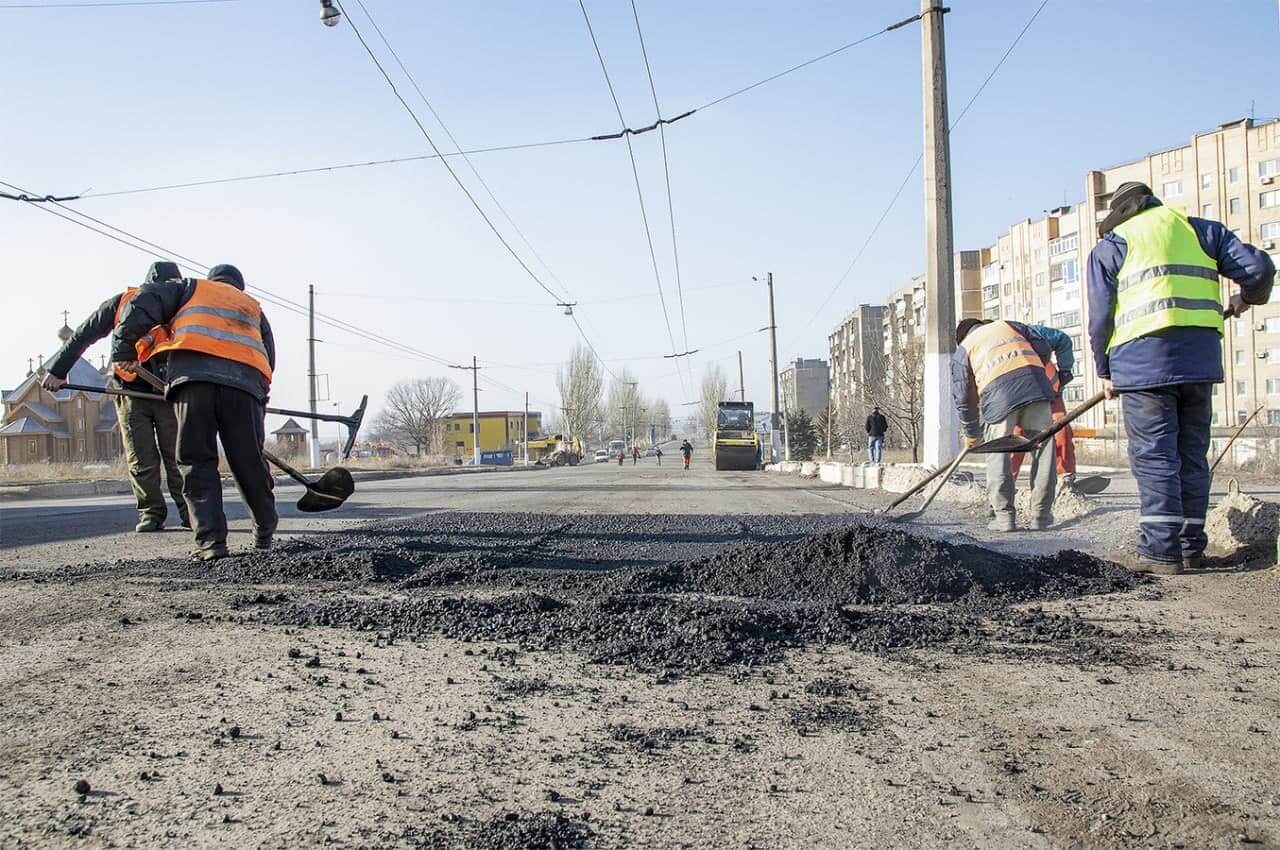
[1168, 429]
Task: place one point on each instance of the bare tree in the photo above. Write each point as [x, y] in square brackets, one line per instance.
[660, 415]
[622, 413]
[900, 396]
[715, 387]
[581, 384]
[412, 412]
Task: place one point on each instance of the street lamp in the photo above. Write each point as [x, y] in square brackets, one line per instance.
[329, 16]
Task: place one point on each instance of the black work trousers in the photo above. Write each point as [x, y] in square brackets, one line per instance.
[206, 413]
[149, 431]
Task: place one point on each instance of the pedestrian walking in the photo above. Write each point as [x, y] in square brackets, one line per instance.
[657, 452]
[1155, 330]
[148, 427]
[686, 452]
[998, 383]
[1060, 372]
[221, 356]
[877, 427]
[635, 455]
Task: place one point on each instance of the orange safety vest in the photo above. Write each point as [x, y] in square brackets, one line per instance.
[125, 298]
[996, 349]
[219, 320]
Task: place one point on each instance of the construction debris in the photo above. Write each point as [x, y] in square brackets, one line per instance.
[1242, 524]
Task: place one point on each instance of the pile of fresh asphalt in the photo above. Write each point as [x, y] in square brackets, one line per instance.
[670, 594]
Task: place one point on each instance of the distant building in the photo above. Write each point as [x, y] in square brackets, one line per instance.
[291, 438]
[805, 385]
[499, 430]
[857, 356]
[69, 426]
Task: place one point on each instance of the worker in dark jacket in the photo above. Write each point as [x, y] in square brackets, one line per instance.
[148, 428]
[1060, 372]
[998, 383]
[877, 427]
[221, 356]
[1155, 328]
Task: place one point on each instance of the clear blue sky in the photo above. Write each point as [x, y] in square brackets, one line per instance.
[789, 177]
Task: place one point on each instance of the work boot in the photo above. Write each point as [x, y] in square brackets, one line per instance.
[185, 519]
[213, 553]
[148, 525]
[1140, 563]
[1004, 522]
[1042, 523]
[262, 541]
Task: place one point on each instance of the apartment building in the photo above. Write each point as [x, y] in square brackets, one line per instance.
[857, 355]
[1035, 272]
[805, 384]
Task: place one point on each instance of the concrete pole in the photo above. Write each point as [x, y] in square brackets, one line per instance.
[941, 424]
[475, 409]
[742, 383]
[311, 375]
[774, 416]
[526, 429]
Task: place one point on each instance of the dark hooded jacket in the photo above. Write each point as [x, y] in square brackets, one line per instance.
[1175, 355]
[157, 303]
[100, 324]
[1006, 393]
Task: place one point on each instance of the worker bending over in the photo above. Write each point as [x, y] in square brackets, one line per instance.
[1059, 371]
[148, 428]
[1155, 328]
[221, 355]
[998, 382]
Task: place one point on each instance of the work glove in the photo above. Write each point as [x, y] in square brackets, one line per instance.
[970, 442]
[53, 383]
[1235, 307]
[1065, 377]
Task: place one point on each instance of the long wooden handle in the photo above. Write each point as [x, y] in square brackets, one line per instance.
[1090, 403]
[1234, 436]
[916, 489]
[950, 469]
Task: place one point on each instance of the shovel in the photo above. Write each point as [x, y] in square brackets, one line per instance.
[328, 492]
[1014, 443]
[1238, 432]
[934, 492]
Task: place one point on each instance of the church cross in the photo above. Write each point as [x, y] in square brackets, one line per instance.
[65, 315]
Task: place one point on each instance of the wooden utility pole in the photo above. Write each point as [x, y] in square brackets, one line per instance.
[526, 429]
[940, 420]
[775, 418]
[475, 407]
[314, 455]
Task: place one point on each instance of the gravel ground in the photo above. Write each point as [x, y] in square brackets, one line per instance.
[504, 680]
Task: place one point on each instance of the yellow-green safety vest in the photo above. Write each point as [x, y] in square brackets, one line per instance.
[1166, 280]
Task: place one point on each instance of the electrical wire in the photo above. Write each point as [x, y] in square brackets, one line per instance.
[635, 172]
[111, 4]
[919, 159]
[443, 161]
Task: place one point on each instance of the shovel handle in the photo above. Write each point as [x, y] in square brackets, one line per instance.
[916, 489]
[287, 469]
[950, 469]
[1239, 431]
[1088, 404]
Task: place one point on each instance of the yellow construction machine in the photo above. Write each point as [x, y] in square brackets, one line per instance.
[555, 450]
[737, 443]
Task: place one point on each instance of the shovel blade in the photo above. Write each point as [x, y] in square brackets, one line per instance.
[328, 492]
[1092, 485]
[1004, 445]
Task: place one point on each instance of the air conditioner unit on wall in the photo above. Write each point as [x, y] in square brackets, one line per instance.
[1267, 181]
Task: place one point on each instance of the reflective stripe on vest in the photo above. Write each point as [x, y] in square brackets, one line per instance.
[996, 349]
[1166, 280]
[125, 298]
[221, 321]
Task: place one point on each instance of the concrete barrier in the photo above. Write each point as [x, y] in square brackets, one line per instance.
[890, 478]
[808, 469]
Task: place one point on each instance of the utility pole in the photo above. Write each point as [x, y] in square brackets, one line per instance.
[940, 420]
[774, 416]
[475, 408]
[311, 374]
[526, 429]
[742, 384]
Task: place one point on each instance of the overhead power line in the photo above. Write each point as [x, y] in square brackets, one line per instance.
[111, 4]
[635, 173]
[901, 186]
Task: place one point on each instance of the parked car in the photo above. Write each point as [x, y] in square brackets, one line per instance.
[651, 452]
[602, 455]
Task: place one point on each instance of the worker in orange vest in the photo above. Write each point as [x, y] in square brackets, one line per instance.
[148, 429]
[1059, 375]
[221, 356]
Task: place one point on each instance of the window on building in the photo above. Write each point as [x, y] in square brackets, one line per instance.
[1242, 388]
[1273, 355]
[1008, 289]
[1215, 390]
[1070, 272]
[1241, 415]
[471, 427]
[1269, 199]
[1213, 420]
[1273, 416]
[460, 444]
[992, 312]
[1239, 357]
[1206, 181]
[1064, 245]
[1039, 279]
[1269, 168]
[1067, 319]
[1208, 210]
[1237, 326]
[1233, 206]
[1073, 394]
[1270, 230]
[1171, 189]
[1077, 343]
[1271, 326]
[1273, 386]
[1233, 175]
[990, 293]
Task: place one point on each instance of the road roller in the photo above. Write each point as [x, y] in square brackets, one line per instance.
[737, 443]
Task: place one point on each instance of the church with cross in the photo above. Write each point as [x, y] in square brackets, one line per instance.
[69, 426]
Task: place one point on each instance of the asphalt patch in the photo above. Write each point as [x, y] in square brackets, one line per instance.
[509, 831]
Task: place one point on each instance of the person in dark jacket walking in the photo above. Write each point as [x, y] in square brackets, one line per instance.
[1155, 329]
[998, 382]
[221, 356]
[877, 427]
[148, 428]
